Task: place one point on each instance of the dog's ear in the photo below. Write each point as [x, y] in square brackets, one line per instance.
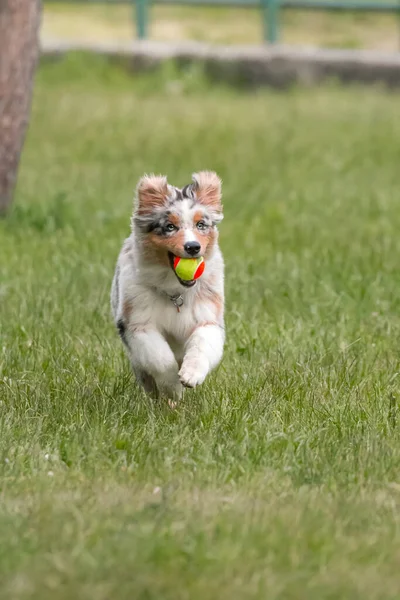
[207, 186]
[151, 193]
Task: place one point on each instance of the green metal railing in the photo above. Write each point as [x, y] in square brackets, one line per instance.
[270, 10]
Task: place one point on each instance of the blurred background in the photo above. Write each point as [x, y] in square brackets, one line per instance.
[373, 25]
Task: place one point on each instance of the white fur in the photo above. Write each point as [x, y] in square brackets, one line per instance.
[174, 349]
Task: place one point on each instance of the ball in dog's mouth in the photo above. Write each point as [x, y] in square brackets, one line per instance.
[187, 270]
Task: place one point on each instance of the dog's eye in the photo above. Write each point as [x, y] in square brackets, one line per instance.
[201, 225]
[170, 227]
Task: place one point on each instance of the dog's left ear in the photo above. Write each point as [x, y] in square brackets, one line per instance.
[207, 186]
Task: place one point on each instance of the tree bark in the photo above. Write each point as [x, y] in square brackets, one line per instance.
[19, 52]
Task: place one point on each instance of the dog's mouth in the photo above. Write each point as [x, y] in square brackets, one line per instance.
[187, 284]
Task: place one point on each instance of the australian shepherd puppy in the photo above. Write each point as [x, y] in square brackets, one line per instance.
[173, 330]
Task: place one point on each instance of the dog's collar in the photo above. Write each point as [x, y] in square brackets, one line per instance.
[177, 300]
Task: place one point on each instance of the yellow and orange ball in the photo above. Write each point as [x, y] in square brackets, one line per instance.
[189, 269]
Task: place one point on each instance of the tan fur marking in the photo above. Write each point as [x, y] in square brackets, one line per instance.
[127, 310]
[198, 216]
[155, 253]
[211, 238]
[157, 247]
[200, 237]
[152, 192]
[174, 219]
[208, 189]
[204, 324]
[207, 294]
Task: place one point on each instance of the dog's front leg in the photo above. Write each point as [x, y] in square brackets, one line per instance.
[203, 352]
[151, 354]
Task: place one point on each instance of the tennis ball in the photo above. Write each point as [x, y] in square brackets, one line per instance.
[188, 269]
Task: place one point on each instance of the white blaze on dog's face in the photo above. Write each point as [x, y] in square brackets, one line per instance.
[178, 222]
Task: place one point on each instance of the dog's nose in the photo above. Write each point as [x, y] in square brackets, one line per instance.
[192, 248]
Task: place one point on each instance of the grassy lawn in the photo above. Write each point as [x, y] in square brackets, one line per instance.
[225, 25]
[280, 477]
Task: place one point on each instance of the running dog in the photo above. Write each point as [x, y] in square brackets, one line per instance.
[173, 330]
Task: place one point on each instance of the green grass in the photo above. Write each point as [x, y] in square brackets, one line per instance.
[280, 477]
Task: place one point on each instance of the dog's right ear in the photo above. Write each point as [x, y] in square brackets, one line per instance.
[207, 187]
[151, 193]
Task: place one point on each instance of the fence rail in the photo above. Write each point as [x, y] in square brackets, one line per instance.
[269, 9]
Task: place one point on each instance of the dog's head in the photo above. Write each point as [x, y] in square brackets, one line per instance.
[177, 222]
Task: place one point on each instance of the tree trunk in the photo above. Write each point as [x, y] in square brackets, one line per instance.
[19, 51]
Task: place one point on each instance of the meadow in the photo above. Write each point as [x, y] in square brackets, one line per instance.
[279, 478]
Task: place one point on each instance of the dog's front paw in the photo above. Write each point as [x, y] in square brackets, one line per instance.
[193, 374]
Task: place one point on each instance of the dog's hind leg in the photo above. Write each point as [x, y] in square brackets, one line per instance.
[147, 382]
[150, 387]
[152, 356]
